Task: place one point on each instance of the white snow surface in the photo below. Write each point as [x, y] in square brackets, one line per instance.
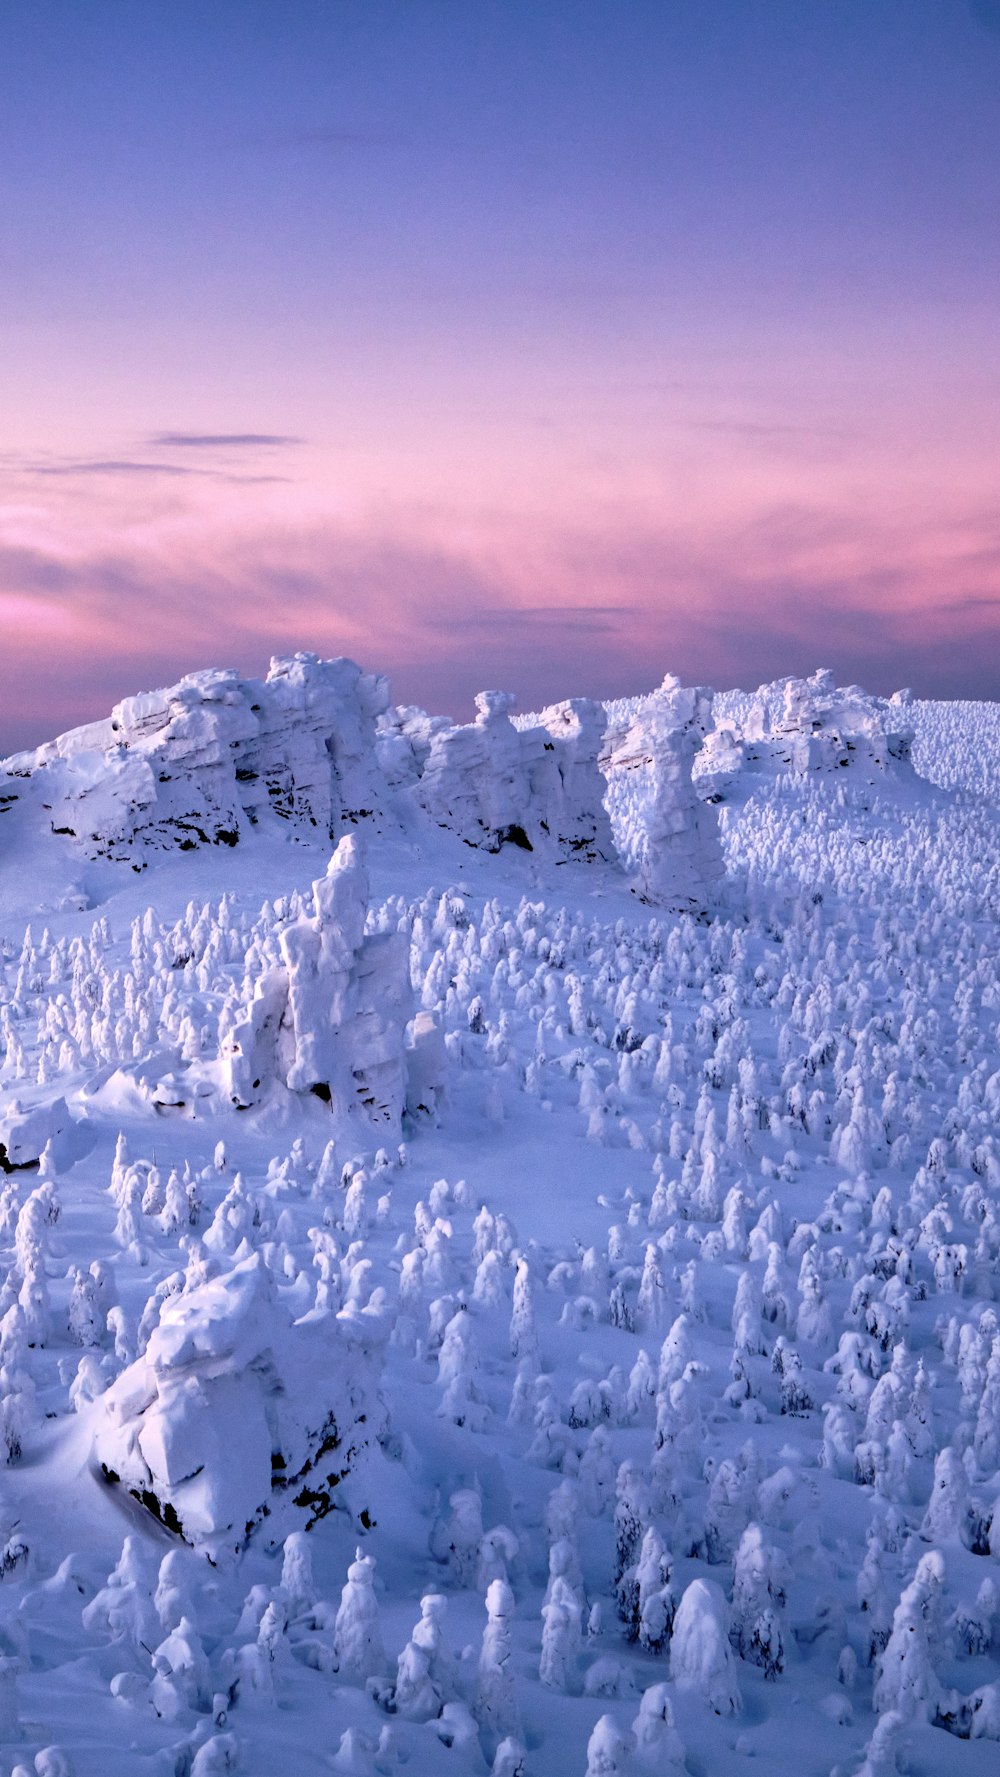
[466, 1307]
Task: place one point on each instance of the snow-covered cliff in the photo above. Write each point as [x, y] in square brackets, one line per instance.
[317, 747]
[536, 785]
[210, 757]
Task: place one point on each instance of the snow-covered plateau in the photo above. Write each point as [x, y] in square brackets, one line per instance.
[500, 1236]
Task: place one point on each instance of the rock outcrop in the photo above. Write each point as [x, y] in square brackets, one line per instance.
[204, 760]
[668, 833]
[536, 785]
[316, 745]
[809, 725]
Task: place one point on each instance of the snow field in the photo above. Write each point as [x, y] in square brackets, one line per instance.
[665, 1313]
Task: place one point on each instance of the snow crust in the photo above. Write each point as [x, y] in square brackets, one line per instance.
[471, 1309]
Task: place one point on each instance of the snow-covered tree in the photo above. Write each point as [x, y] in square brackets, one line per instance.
[495, 1706]
[561, 1636]
[356, 1633]
[608, 1749]
[658, 1746]
[424, 1673]
[700, 1656]
[906, 1682]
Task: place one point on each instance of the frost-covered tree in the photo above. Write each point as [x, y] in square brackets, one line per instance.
[974, 1626]
[651, 1305]
[597, 1472]
[947, 1516]
[641, 1390]
[86, 1323]
[814, 1322]
[495, 1706]
[509, 1759]
[19, 1412]
[759, 1589]
[727, 1510]
[298, 1588]
[424, 1672]
[608, 1749]
[523, 1331]
[658, 1746]
[173, 1598]
[123, 1608]
[217, 1756]
[906, 1681]
[676, 1353]
[748, 1334]
[498, 1551]
[457, 1537]
[357, 1637]
[561, 1636]
[632, 1511]
[787, 1363]
[700, 1656]
[880, 1758]
[655, 1599]
[458, 1361]
[180, 1673]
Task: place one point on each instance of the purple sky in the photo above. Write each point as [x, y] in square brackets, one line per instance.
[547, 343]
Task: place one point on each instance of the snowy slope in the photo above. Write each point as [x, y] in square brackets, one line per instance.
[530, 1304]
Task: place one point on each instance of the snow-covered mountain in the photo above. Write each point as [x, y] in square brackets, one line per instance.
[501, 1235]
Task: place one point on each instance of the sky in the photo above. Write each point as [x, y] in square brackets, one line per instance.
[544, 344]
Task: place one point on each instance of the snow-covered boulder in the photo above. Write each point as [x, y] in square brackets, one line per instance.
[25, 1132]
[235, 1400]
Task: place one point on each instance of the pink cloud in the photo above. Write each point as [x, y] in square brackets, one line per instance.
[447, 602]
